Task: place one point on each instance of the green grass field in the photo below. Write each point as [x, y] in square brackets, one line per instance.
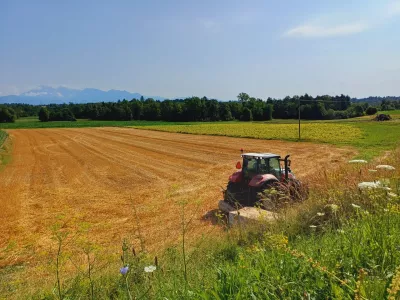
[5, 156]
[33, 122]
[3, 136]
[369, 137]
[310, 132]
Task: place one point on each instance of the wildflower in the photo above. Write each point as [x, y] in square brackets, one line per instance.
[150, 269]
[340, 230]
[355, 206]
[124, 270]
[359, 161]
[386, 167]
[369, 185]
[334, 207]
[319, 214]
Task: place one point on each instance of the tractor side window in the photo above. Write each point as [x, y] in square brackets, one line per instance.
[275, 166]
[252, 165]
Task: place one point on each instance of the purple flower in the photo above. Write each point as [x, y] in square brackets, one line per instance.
[124, 270]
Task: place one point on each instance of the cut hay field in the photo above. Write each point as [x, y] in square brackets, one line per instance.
[99, 176]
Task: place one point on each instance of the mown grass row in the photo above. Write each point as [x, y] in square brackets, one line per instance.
[341, 243]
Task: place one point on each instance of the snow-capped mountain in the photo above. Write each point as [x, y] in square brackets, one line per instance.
[46, 95]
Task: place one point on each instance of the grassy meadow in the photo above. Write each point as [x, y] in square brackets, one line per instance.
[370, 138]
[3, 136]
[4, 149]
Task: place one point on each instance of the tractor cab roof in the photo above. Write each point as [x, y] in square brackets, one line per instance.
[260, 155]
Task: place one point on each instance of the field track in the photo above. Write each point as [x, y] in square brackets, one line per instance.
[98, 175]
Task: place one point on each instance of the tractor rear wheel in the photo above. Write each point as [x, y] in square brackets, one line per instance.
[233, 194]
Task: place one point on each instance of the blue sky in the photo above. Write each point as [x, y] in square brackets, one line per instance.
[212, 48]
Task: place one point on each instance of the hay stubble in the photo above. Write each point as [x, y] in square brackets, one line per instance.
[96, 175]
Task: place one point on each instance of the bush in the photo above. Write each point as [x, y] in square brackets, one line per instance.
[64, 114]
[371, 111]
[7, 115]
[341, 114]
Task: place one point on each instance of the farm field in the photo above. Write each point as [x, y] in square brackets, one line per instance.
[100, 175]
[370, 138]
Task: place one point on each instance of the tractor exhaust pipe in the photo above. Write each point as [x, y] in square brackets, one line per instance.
[286, 167]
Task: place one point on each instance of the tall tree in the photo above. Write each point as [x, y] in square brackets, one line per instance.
[44, 114]
[243, 97]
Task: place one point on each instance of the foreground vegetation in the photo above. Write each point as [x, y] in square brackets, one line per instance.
[341, 243]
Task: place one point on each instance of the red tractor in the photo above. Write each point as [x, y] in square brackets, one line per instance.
[258, 175]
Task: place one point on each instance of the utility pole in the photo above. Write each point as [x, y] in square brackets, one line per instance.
[299, 119]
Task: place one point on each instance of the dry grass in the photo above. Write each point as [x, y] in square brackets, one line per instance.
[97, 176]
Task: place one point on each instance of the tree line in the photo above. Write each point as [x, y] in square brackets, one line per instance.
[194, 109]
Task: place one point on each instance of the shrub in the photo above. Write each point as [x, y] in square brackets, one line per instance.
[371, 111]
[7, 115]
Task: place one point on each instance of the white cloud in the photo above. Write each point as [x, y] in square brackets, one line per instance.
[318, 31]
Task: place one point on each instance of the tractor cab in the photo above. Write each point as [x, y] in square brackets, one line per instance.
[260, 163]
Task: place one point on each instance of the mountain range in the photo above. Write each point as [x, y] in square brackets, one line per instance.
[46, 95]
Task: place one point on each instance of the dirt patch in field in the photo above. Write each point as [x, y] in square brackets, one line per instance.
[98, 175]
